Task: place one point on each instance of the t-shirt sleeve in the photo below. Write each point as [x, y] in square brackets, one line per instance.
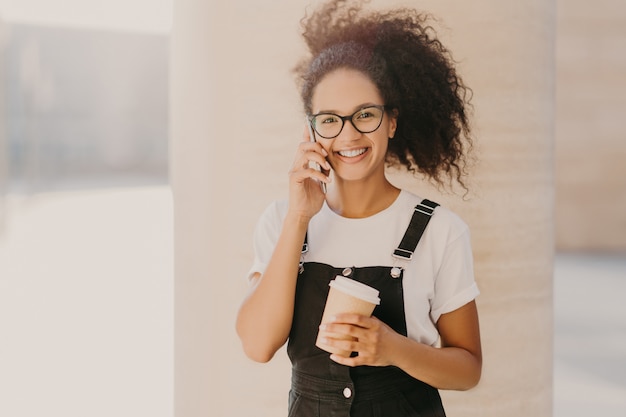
[265, 237]
[455, 285]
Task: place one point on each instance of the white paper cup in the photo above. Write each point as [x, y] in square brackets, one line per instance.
[346, 296]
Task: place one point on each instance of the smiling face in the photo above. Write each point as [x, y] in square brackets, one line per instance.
[354, 156]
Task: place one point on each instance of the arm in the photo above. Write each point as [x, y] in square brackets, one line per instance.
[265, 316]
[456, 365]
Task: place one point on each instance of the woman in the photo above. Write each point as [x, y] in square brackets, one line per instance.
[378, 89]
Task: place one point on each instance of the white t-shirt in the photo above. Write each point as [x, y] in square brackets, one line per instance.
[437, 280]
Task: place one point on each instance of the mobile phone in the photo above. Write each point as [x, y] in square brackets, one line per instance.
[315, 164]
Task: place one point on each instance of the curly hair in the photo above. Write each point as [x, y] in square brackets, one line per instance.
[415, 74]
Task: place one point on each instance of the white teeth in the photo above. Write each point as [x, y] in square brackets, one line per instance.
[352, 153]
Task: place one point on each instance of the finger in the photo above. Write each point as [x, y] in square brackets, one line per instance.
[350, 361]
[318, 162]
[300, 176]
[306, 135]
[353, 319]
[306, 163]
[306, 146]
[336, 342]
[341, 332]
[314, 161]
[311, 153]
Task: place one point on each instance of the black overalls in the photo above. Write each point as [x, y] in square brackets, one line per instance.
[323, 388]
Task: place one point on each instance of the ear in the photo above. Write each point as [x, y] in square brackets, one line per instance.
[393, 122]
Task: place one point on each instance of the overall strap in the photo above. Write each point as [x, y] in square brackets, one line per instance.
[421, 216]
[305, 244]
[305, 249]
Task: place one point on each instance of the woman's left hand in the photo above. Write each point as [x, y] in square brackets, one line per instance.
[373, 339]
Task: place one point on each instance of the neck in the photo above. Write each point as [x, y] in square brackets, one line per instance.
[359, 199]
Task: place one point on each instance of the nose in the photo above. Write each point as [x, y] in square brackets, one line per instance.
[349, 131]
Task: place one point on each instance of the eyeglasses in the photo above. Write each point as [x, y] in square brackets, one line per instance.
[365, 120]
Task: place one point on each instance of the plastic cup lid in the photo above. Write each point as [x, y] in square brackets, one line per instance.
[356, 289]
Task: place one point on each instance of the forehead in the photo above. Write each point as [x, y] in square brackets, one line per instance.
[344, 91]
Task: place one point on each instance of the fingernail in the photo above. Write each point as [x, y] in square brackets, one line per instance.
[327, 165]
[322, 327]
[324, 152]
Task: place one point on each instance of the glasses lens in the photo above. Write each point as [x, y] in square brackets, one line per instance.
[368, 119]
[327, 125]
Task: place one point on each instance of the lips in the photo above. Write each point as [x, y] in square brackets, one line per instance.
[352, 153]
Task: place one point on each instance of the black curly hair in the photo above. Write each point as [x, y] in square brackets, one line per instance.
[415, 74]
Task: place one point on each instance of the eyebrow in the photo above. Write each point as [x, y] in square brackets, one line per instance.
[354, 109]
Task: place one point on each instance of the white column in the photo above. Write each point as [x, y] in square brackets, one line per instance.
[236, 120]
[4, 170]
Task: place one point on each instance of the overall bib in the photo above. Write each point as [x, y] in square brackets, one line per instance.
[323, 388]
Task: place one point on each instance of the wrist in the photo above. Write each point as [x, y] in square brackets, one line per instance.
[404, 351]
[297, 219]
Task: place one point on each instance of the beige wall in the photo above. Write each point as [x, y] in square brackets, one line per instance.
[591, 126]
[236, 121]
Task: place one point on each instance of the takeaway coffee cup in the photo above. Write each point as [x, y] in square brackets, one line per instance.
[346, 296]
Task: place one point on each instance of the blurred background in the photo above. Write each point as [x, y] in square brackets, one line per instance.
[86, 279]
[86, 257]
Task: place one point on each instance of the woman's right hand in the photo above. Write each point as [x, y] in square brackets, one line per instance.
[305, 189]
